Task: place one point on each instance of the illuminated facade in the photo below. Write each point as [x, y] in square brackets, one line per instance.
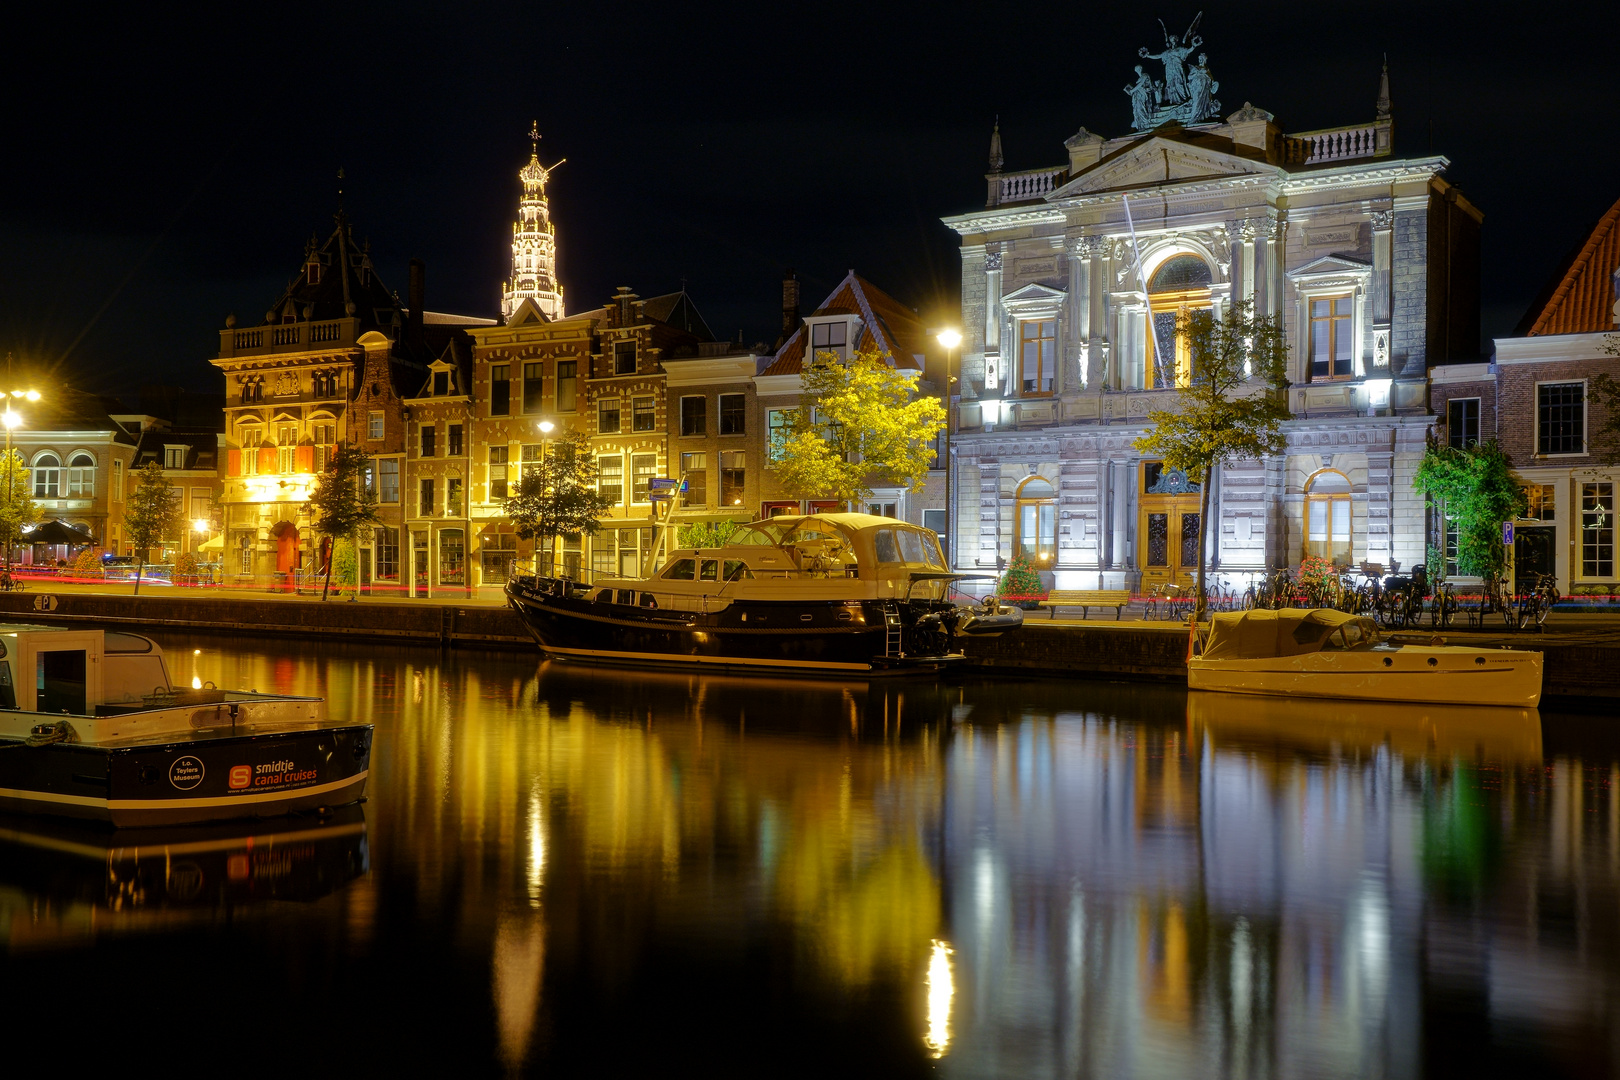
[1073, 277]
[534, 244]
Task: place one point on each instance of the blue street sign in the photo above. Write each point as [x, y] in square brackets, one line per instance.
[1507, 534]
[660, 483]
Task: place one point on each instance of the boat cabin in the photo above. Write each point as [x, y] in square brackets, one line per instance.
[79, 672]
[818, 546]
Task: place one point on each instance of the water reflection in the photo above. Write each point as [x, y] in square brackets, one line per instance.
[612, 871]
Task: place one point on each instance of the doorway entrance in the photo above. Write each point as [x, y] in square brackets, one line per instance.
[1533, 556]
[287, 554]
[1167, 527]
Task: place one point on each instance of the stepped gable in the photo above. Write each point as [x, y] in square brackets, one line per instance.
[886, 325]
[1580, 297]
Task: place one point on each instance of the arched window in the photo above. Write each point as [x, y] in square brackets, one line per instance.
[1327, 517]
[1036, 520]
[1179, 285]
[47, 476]
[81, 480]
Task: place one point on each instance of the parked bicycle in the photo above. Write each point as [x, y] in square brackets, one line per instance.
[1443, 606]
[1536, 602]
[1494, 598]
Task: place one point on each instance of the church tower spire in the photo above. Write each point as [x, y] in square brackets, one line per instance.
[534, 242]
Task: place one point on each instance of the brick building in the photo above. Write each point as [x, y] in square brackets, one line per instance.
[1534, 399]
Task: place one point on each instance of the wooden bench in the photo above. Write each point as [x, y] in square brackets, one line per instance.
[1086, 599]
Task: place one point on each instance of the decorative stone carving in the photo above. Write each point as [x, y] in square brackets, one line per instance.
[992, 260]
[1248, 114]
[1383, 219]
[1247, 231]
[1173, 482]
[286, 384]
[1186, 94]
[1081, 138]
[1381, 349]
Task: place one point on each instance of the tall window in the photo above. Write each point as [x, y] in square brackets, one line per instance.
[1037, 356]
[385, 542]
[1542, 500]
[733, 474]
[694, 467]
[454, 449]
[244, 553]
[1561, 418]
[286, 447]
[1332, 342]
[118, 480]
[499, 552]
[624, 358]
[1036, 535]
[500, 390]
[374, 424]
[388, 480]
[47, 476]
[430, 437]
[532, 457]
[441, 383]
[607, 416]
[497, 472]
[694, 416]
[1462, 422]
[830, 337]
[452, 496]
[566, 383]
[776, 423]
[1327, 517]
[1597, 530]
[642, 414]
[643, 467]
[452, 557]
[81, 480]
[1179, 286]
[610, 478]
[532, 385]
[424, 504]
[733, 414]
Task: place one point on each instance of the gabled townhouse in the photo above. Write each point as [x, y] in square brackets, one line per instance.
[1533, 398]
[78, 459]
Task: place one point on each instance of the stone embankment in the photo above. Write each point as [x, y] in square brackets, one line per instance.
[1581, 665]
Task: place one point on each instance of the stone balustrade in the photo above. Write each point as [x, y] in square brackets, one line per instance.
[1029, 184]
[1337, 144]
[287, 337]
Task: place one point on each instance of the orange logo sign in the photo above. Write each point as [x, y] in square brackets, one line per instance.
[241, 776]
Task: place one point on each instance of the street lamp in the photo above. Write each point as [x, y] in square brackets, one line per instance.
[951, 339]
[546, 427]
[12, 420]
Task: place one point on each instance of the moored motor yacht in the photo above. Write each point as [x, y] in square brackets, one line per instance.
[839, 593]
[92, 727]
[1324, 653]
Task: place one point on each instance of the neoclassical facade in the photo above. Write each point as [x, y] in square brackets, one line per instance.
[1073, 277]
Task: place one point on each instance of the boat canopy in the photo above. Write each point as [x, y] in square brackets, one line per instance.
[1255, 635]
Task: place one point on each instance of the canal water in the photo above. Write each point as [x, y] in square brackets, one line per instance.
[567, 871]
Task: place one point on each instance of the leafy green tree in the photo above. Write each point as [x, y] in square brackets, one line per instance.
[557, 495]
[857, 420]
[1605, 389]
[341, 502]
[16, 503]
[1232, 407]
[707, 534]
[151, 513]
[1477, 487]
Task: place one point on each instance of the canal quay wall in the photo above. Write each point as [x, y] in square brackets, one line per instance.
[1580, 667]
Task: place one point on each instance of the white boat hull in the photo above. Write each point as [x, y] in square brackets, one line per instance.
[1428, 674]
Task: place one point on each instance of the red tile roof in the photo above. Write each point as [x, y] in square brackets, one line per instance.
[886, 325]
[1580, 298]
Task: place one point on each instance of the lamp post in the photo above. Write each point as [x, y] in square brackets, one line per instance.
[546, 427]
[12, 419]
[951, 339]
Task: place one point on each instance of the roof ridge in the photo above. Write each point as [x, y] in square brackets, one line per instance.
[1549, 310]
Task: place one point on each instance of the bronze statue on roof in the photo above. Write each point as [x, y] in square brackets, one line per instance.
[1187, 93]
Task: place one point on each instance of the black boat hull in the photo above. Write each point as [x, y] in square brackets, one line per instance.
[791, 637]
[208, 776]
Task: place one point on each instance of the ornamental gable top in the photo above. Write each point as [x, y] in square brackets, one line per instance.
[1165, 157]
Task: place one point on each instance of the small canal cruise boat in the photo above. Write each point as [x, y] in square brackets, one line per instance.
[824, 593]
[92, 727]
[1324, 653]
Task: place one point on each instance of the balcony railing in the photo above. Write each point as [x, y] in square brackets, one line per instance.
[1337, 144]
[288, 337]
[1025, 186]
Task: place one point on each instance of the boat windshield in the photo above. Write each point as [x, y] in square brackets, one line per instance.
[898, 546]
[759, 534]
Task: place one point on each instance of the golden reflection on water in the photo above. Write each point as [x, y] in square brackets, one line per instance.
[1057, 878]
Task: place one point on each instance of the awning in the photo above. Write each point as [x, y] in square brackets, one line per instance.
[57, 532]
[216, 544]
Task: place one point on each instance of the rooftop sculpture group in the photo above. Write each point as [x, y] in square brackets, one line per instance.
[1186, 94]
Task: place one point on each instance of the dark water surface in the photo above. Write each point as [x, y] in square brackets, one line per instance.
[566, 871]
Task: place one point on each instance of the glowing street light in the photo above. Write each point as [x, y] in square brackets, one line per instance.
[546, 427]
[951, 338]
[12, 420]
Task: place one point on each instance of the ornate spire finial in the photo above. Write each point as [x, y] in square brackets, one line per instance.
[996, 159]
[1383, 91]
[534, 138]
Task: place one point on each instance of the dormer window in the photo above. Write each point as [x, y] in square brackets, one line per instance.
[441, 383]
[830, 337]
[313, 272]
[174, 457]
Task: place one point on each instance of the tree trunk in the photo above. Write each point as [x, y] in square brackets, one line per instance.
[140, 572]
[1202, 600]
[331, 557]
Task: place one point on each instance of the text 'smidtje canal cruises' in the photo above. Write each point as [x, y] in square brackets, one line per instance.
[846, 593]
[91, 727]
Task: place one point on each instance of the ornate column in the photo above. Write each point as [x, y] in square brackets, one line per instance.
[1245, 261]
[1380, 505]
[1276, 235]
[1383, 234]
[994, 375]
[1079, 335]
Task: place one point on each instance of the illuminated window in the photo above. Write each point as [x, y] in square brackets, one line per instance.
[694, 467]
[452, 557]
[642, 414]
[374, 425]
[776, 423]
[388, 480]
[118, 481]
[610, 478]
[607, 416]
[733, 474]
[1037, 352]
[565, 385]
[386, 561]
[454, 440]
[47, 476]
[1332, 343]
[643, 467]
[1327, 517]
[1179, 286]
[452, 496]
[81, 478]
[429, 437]
[497, 472]
[1542, 502]
[830, 337]
[1597, 530]
[1036, 521]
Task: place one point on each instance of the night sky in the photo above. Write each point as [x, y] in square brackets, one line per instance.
[164, 169]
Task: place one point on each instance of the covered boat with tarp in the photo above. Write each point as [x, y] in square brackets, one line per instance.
[1320, 652]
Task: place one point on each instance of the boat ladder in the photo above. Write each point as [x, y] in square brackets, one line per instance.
[892, 643]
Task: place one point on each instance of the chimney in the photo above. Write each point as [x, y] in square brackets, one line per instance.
[418, 297]
[790, 303]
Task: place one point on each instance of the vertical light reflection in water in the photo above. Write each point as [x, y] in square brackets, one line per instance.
[941, 988]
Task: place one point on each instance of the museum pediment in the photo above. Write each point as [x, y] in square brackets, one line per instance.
[1158, 160]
